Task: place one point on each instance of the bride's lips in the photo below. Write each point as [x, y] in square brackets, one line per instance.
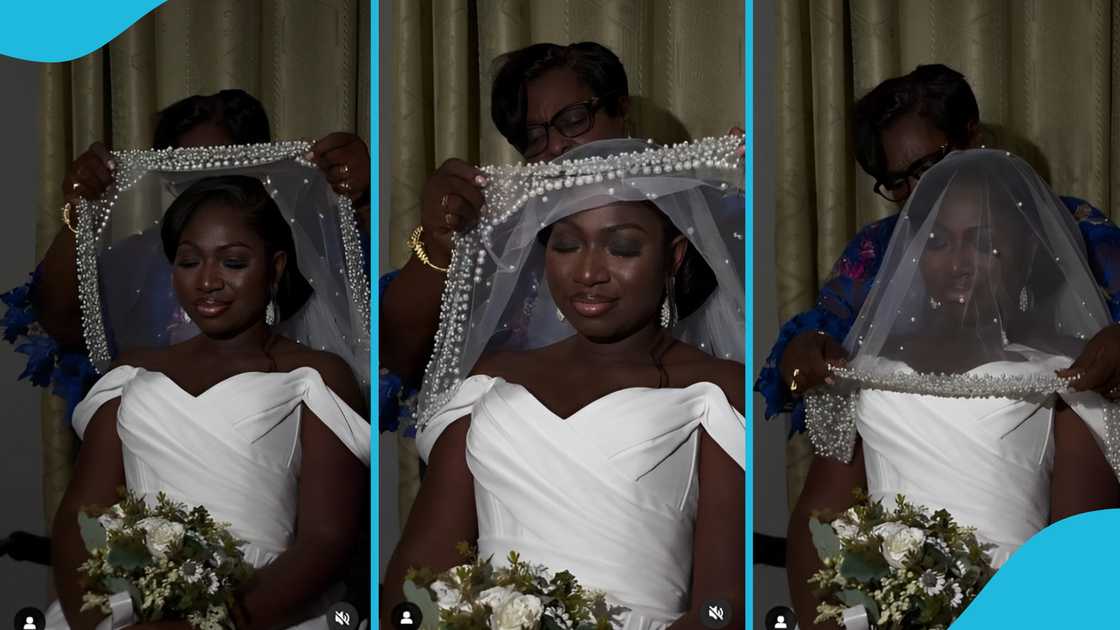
[592, 305]
[210, 307]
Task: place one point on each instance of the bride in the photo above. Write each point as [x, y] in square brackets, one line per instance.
[597, 434]
[949, 398]
[240, 418]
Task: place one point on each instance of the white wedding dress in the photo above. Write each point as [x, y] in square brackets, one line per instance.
[985, 460]
[234, 449]
[609, 493]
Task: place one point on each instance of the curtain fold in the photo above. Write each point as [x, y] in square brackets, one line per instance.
[308, 63]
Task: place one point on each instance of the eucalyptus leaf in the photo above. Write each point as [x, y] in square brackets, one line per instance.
[423, 599]
[857, 567]
[824, 539]
[93, 534]
[128, 557]
[859, 598]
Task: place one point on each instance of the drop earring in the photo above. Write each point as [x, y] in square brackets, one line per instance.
[668, 308]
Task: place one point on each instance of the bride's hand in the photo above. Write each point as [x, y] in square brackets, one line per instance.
[1098, 367]
[809, 359]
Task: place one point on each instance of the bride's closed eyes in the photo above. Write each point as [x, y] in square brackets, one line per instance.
[624, 241]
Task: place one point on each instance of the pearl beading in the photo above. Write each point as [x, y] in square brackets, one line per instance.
[830, 413]
[133, 164]
[509, 190]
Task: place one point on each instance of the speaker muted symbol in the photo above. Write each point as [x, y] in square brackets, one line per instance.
[716, 613]
[342, 616]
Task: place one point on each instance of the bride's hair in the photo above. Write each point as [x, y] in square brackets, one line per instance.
[694, 282]
[261, 214]
[236, 111]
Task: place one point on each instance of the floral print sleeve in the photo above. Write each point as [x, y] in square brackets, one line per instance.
[394, 402]
[68, 373]
[1102, 247]
[838, 303]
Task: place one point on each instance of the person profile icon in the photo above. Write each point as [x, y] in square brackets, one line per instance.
[29, 624]
[406, 618]
[781, 624]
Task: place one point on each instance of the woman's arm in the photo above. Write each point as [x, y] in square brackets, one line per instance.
[828, 488]
[409, 314]
[1082, 479]
[442, 516]
[331, 483]
[718, 542]
[97, 476]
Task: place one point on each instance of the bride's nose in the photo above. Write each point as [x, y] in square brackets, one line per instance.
[963, 263]
[211, 278]
[592, 268]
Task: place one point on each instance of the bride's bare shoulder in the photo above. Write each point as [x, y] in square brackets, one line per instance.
[336, 373]
[696, 366]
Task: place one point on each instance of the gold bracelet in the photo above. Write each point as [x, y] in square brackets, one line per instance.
[66, 207]
[417, 247]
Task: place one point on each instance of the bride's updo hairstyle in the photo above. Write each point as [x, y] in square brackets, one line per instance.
[694, 282]
[260, 213]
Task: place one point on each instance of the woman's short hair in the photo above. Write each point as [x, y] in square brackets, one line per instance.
[935, 92]
[234, 110]
[596, 66]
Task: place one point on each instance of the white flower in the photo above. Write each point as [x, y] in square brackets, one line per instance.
[214, 584]
[161, 535]
[932, 582]
[845, 529]
[112, 520]
[939, 545]
[958, 597]
[191, 571]
[496, 596]
[899, 540]
[447, 596]
[960, 569]
[520, 612]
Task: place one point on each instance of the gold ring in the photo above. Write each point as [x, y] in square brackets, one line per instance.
[345, 169]
[793, 380]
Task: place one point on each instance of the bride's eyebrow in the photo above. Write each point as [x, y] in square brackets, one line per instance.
[624, 226]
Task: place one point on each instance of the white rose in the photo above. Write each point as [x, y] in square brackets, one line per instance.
[447, 596]
[161, 535]
[520, 612]
[496, 596]
[899, 541]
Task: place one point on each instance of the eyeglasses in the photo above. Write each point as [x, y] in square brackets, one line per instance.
[572, 121]
[897, 187]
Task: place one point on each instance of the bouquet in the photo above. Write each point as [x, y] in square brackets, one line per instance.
[173, 564]
[522, 596]
[906, 568]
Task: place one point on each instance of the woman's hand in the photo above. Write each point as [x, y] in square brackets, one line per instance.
[450, 203]
[738, 131]
[809, 359]
[89, 174]
[344, 158]
[1098, 367]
